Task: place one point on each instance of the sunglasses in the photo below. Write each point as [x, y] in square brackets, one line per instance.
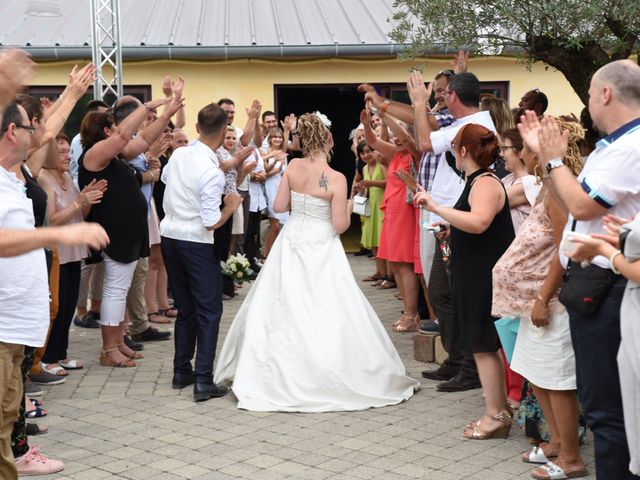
[447, 73]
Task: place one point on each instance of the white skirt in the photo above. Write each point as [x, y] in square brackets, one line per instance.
[544, 355]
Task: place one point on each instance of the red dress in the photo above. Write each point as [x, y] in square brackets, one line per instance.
[399, 223]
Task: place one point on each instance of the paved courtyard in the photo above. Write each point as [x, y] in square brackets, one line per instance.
[108, 423]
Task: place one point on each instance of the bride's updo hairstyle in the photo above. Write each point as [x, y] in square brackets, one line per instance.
[314, 134]
[480, 142]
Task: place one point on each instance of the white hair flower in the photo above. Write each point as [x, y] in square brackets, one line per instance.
[323, 118]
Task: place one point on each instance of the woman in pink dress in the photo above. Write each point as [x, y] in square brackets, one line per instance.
[398, 226]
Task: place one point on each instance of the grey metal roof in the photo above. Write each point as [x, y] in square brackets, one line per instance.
[211, 28]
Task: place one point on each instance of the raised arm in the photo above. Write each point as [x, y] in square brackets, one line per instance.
[252, 129]
[401, 111]
[388, 150]
[171, 89]
[99, 156]
[419, 99]
[151, 133]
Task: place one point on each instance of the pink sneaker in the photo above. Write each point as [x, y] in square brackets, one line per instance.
[34, 463]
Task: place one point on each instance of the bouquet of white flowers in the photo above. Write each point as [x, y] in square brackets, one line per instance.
[237, 267]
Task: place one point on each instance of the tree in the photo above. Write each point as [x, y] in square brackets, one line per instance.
[576, 37]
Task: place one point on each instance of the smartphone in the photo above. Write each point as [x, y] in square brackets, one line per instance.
[432, 228]
[408, 180]
[567, 245]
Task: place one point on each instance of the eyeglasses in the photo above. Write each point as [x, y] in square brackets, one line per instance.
[28, 128]
[447, 73]
[504, 148]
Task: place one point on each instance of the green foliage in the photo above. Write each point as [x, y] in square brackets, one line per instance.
[587, 33]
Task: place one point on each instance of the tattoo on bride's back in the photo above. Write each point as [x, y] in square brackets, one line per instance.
[324, 182]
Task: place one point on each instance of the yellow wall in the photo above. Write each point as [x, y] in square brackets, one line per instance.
[244, 80]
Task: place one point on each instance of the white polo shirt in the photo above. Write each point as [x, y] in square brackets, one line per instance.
[193, 195]
[611, 176]
[24, 286]
[447, 186]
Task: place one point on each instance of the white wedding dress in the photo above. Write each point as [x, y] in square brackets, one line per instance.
[306, 339]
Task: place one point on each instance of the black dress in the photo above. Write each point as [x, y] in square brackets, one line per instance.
[122, 211]
[472, 259]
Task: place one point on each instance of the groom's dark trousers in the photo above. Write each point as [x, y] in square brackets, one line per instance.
[196, 282]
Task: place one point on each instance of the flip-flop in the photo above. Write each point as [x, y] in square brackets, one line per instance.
[60, 371]
[536, 455]
[554, 472]
[71, 365]
[34, 429]
[37, 412]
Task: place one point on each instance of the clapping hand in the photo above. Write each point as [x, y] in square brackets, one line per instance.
[365, 117]
[370, 94]
[81, 80]
[552, 141]
[460, 62]
[254, 110]
[289, 122]
[416, 89]
[529, 128]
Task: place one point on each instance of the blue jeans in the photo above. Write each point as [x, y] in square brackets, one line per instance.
[596, 341]
[196, 283]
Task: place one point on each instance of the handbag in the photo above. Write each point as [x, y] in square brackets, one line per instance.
[585, 288]
[361, 205]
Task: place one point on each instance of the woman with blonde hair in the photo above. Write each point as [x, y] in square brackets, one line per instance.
[306, 339]
[543, 353]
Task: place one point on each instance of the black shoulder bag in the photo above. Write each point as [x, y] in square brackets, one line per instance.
[585, 288]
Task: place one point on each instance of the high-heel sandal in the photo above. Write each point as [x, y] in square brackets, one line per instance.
[107, 362]
[507, 407]
[388, 283]
[134, 356]
[404, 325]
[476, 432]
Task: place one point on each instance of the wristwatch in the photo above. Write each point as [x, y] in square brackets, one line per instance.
[553, 163]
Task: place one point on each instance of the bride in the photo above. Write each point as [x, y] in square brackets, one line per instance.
[306, 339]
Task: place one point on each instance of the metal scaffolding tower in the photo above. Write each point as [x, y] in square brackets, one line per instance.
[106, 49]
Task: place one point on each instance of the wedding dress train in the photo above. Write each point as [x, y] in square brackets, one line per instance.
[306, 339]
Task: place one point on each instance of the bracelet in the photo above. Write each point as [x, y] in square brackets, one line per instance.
[611, 260]
[384, 107]
[546, 304]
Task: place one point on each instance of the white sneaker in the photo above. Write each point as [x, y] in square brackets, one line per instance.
[34, 463]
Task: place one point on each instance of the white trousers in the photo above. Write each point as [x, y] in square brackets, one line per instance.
[117, 280]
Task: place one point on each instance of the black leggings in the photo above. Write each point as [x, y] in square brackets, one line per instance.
[68, 297]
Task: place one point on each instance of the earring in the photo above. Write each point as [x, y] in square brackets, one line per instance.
[537, 173]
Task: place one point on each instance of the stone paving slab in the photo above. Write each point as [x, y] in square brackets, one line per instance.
[108, 423]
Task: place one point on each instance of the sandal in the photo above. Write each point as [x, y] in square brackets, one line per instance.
[379, 282]
[158, 317]
[107, 362]
[134, 356]
[398, 296]
[170, 312]
[71, 365]
[551, 471]
[37, 403]
[410, 325]
[37, 412]
[57, 370]
[387, 284]
[477, 433]
[372, 278]
[536, 455]
[33, 429]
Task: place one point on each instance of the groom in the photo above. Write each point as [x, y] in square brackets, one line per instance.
[192, 201]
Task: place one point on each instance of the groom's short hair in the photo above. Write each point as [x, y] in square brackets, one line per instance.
[211, 119]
